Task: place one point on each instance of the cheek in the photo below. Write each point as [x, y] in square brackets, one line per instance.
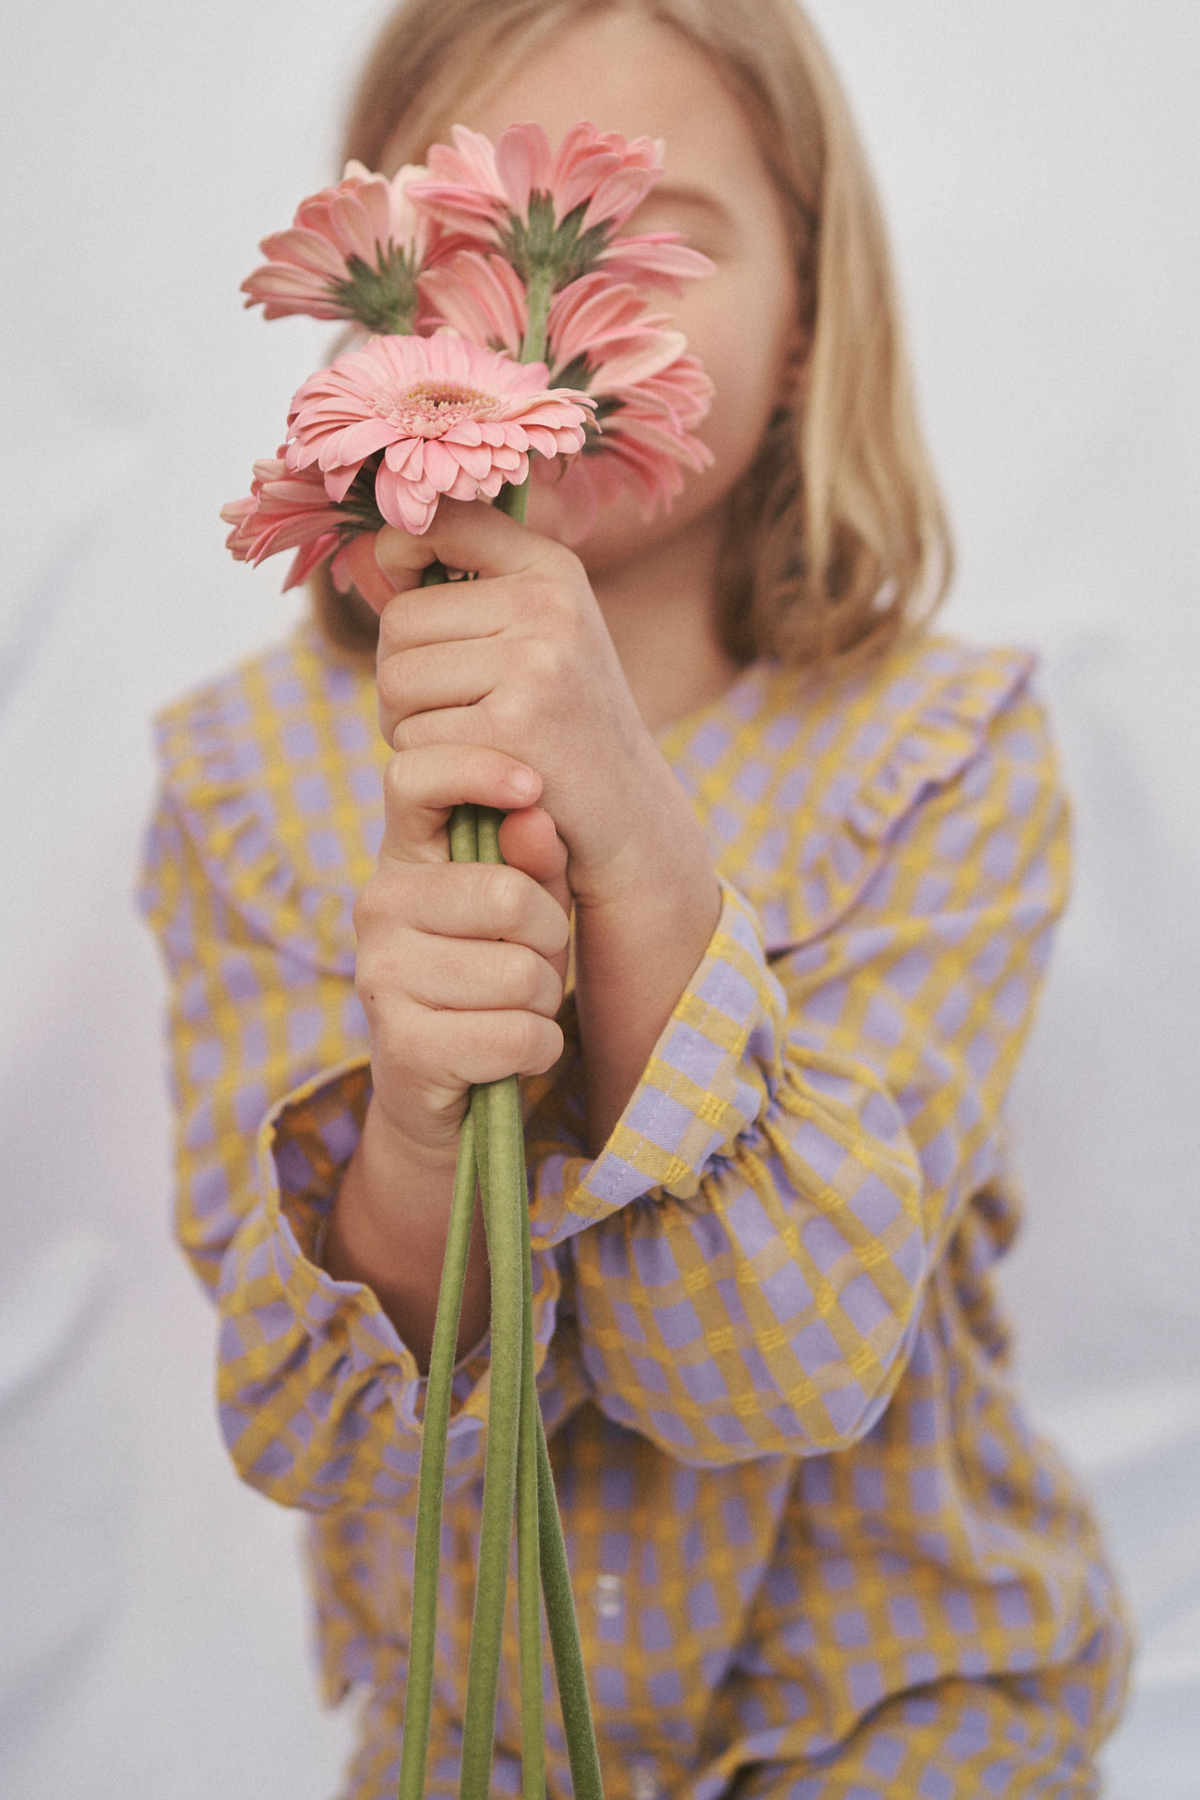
[743, 402]
[738, 324]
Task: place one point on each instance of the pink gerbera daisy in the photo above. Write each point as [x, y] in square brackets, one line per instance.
[479, 296]
[639, 447]
[353, 251]
[291, 510]
[555, 213]
[603, 340]
[449, 416]
[649, 392]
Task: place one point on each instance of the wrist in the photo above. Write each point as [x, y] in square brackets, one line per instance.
[388, 1148]
[662, 858]
[388, 1223]
[640, 937]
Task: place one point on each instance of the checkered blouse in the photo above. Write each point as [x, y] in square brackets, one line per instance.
[795, 1480]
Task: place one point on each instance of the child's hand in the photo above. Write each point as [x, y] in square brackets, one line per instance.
[460, 966]
[520, 661]
[476, 678]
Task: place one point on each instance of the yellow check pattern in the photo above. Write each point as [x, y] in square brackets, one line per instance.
[817, 1550]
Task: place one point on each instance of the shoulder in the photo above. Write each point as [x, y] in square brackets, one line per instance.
[805, 783]
[274, 706]
[272, 771]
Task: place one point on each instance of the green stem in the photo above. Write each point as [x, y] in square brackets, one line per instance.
[485, 847]
[538, 295]
[464, 834]
[517, 1460]
[431, 1481]
[529, 1580]
[427, 1550]
[539, 292]
[529, 1596]
[564, 1635]
[500, 1463]
[514, 501]
[505, 1188]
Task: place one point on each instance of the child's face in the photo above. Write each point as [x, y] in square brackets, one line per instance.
[630, 75]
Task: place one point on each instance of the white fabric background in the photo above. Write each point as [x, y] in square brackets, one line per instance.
[1041, 164]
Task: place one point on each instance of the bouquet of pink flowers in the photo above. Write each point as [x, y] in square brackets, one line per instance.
[509, 339]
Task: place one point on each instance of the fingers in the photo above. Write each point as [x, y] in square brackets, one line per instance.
[464, 535]
[488, 902]
[472, 537]
[460, 973]
[385, 563]
[432, 678]
[427, 1059]
[529, 841]
[362, 569]
[422, 785]
[475, 975]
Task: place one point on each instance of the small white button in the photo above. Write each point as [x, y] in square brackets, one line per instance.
[609, 1597]
[642, 1783]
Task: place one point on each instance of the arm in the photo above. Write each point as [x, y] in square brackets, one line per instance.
[752, 1246]
[520, 662]
[388, 1227]
[321, 1397]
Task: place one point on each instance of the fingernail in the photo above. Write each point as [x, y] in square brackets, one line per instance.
[523, 782]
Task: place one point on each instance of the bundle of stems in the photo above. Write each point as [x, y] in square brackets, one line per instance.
[477, 246]
[517, 1476]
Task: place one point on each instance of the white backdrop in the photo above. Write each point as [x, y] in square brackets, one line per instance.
[1041, 163]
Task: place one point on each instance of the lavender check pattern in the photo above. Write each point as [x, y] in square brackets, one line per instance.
[817, 1551]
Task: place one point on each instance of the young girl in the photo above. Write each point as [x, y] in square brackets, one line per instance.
[809, 858]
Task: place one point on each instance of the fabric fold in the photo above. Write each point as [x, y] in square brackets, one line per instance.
[353, 1425]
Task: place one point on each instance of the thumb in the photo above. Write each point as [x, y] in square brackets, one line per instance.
[529, 841]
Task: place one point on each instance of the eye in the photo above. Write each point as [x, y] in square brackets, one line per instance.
[703, 222]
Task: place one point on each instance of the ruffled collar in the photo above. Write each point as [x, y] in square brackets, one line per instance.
[274, 770]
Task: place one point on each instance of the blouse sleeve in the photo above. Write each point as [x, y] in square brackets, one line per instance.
[320, 1400]
[752, 1245]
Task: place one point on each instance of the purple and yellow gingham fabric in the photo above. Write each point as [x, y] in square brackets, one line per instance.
[816, 1548]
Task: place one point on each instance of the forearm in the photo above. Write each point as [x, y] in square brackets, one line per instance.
[637, 948]
[388, 1230]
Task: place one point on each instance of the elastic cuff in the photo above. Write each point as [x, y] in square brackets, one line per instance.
[711, 1074]
[305, 1145]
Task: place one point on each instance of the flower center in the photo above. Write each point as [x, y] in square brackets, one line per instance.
[428, 408]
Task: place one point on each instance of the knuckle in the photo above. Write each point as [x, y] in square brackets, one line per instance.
[541, 1045]
[381, 909]
[412, 731]
[364, 982]
[538, 592]
[521, 975]
[366, 909]
[387, 642]
[563, 564]
[397, 1047]
[506, 713]
[512, 1042]
[545, 660]
[392, 683]
[395, 781]
[558, 928]
[394, 625]
[374, 973]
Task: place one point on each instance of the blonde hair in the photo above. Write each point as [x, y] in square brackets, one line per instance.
[836, 540]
